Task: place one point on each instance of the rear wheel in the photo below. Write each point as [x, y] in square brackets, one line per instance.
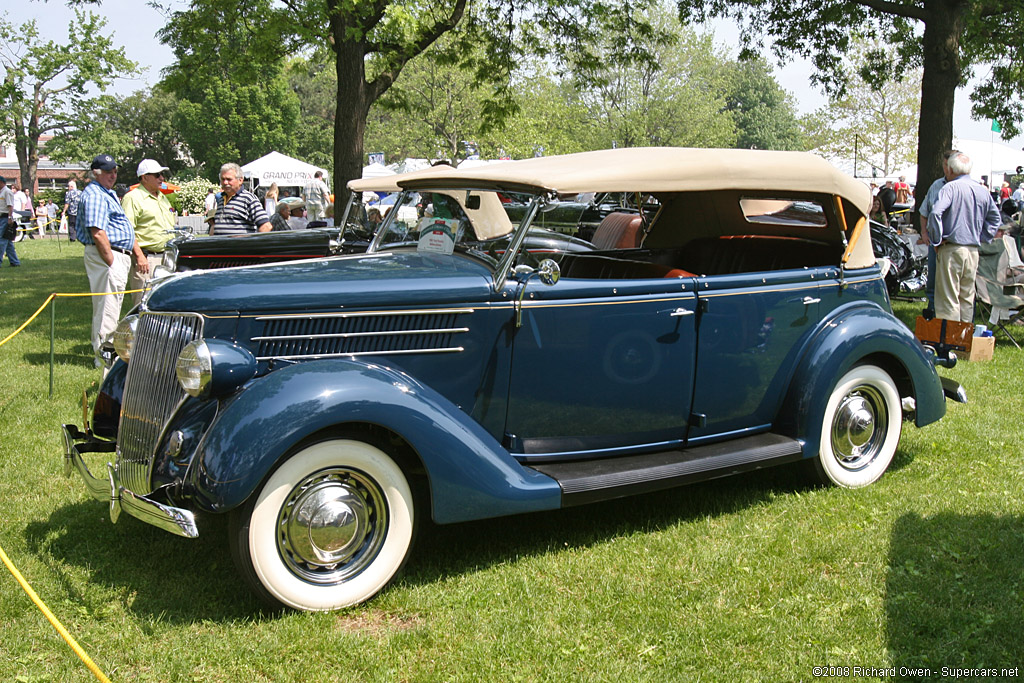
[860, 428]
[329, 528]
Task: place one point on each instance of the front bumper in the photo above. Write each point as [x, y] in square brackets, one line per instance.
[108, 489]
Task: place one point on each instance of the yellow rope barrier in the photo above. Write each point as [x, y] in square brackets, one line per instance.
[26, 323]
[52, 619]
[3, 556]
[54, 296]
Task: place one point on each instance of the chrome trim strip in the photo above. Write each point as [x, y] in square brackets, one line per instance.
[453, 349]
[364, 314]
[348, 335]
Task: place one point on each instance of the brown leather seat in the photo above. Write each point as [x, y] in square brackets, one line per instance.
[619, 231]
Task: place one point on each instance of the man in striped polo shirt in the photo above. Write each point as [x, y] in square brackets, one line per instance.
[238, 210]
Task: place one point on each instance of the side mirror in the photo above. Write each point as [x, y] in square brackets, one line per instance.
[549, 272]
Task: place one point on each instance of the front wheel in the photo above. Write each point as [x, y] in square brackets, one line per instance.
[860, 428]
[329, 528]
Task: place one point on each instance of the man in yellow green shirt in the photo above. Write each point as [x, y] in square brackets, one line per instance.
[153, 219]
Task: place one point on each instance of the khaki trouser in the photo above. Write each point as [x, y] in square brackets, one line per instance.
[106, 310]
[956, 267]
[315, 211]
[137, 280]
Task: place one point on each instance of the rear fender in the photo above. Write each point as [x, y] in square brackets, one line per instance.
[855, 335]
[470, 475]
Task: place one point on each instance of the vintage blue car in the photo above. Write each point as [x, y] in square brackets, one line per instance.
[738, 321]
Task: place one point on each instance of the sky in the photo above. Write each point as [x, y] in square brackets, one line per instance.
[134, 25]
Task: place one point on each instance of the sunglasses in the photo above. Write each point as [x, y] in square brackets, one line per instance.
[157, 175]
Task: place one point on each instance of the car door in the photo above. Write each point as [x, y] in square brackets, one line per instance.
[751, 331]
[600, 365]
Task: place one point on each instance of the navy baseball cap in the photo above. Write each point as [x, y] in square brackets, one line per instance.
[104, 162]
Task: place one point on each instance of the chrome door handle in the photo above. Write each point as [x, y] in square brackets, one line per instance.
[680, 312]
[808, 300]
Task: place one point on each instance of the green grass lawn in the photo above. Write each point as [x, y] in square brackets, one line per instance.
[757, 577]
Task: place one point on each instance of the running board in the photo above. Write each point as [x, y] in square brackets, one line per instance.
[588, 481]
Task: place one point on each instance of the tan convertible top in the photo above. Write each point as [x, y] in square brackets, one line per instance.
[657, 169]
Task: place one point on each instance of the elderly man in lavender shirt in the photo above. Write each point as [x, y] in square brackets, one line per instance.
[962, 217]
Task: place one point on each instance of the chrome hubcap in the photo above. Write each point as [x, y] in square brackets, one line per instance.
[859, 427]
[332, 525]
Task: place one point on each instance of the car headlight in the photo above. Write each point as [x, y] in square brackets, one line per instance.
[124, 337]
[195, 368]
[170, 258]
[213, 367]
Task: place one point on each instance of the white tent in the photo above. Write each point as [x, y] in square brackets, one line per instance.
[376, 171]
[281, 169]
[988, 158]
[409, 165]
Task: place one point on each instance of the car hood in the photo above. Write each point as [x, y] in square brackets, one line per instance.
[291, 242]
[361, 280]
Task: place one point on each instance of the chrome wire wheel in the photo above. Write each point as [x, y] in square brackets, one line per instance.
[329, 528]
[860, 428]
[332, 525]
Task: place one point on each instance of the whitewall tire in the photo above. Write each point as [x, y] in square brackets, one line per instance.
[860, 428]
[330, 527]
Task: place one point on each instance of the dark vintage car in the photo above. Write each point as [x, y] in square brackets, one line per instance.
[326, 406]
[203, 252]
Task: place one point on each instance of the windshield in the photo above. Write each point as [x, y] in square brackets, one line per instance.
[446, 221]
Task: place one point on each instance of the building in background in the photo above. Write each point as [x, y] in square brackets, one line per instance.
[49, 175]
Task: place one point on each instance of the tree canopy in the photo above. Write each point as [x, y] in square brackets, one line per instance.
[874, 124]
[46, 86]
[946, 38]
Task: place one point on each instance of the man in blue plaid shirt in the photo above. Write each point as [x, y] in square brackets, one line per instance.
[110, 246]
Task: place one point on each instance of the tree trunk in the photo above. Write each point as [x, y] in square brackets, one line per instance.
[351, 110]
[940, 78]
[26, 147]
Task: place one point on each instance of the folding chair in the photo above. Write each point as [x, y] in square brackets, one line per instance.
[999, 285]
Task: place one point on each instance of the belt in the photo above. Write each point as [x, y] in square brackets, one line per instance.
[149, 252]
[119, 249]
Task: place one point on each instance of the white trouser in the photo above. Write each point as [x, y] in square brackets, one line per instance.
[106, 310]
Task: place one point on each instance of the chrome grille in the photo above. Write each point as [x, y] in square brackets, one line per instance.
[360, 334]
[151, 392]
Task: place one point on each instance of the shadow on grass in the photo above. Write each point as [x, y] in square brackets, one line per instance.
[490, 542]
[83, 358]
[955, 592]
[186, 580]
[175, 579]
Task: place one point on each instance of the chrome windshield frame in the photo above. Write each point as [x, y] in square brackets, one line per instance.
[352, 194]
[390, 218]
[517, 236]
[516, 243]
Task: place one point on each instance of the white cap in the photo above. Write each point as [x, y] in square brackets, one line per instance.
[150, 166]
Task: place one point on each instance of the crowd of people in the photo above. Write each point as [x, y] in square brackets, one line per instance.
[957, 215]
[125, 238]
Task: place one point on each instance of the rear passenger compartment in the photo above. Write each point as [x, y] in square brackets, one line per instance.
[705, 256]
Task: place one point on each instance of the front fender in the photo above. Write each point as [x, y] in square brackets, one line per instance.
[471, 476]
[855, 334]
